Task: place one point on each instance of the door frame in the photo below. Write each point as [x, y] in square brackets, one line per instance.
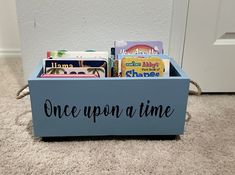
[178, 29]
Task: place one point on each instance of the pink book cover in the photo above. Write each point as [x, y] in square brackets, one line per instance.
[138, 47]
[68, 76]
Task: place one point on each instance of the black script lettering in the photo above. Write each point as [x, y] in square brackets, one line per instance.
[89, 113]
[48, 108]
[158, 111]
[66, 110]
[155, 110]
[130, 111]
[116, 111]
[94, 112]
[168, 111]
[143, 108]
[59, 111]
[106, 110]
[74, 110]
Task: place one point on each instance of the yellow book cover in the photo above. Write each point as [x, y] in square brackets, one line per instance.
[142, 67]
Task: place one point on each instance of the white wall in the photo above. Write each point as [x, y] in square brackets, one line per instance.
[88, 24]
[9, 37]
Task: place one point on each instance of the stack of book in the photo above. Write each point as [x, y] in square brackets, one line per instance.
[140, 59]
[83, 64]
[128, 59]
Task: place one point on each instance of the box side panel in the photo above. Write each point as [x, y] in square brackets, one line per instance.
[109, 107]
[36, 71]
[177, 68]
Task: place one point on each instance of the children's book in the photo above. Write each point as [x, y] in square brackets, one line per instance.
[139, 67]
[79, 64]
[144, 63]
[82, 56]
[138, 47]
[97, 71]
[68, 76]
[86, 55]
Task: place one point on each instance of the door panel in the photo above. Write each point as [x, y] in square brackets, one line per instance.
[226, 14]
[209, 53]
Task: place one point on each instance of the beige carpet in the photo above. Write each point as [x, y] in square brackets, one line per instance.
[207, 147]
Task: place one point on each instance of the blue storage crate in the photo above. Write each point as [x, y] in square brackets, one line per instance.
[109, 106]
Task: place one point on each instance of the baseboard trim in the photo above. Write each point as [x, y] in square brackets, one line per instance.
[10, 52]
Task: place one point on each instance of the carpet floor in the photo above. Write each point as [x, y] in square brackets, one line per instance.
[207, 146]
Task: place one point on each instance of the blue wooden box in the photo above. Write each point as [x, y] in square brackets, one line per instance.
[109, 106]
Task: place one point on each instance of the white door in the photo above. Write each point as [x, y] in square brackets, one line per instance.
[209, 52]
